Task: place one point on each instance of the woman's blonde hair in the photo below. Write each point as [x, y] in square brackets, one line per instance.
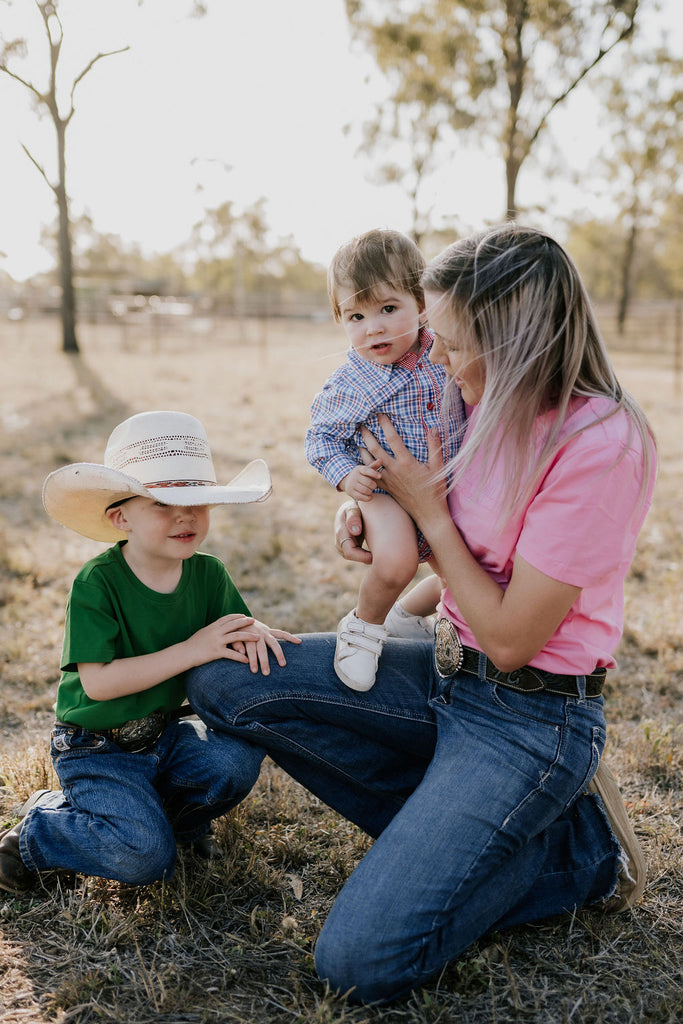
[518, 301]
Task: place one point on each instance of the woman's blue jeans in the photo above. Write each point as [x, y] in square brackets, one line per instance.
[473, 790]
[120, 814]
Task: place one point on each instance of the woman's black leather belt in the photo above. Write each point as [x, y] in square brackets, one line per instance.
[452, 656]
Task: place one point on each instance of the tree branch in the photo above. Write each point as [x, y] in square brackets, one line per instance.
[624, 34]
[22, 81]
[39, 168]
[88, 68]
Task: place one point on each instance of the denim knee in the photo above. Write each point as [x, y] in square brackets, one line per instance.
[244, 768]
[150, 859]
[346, 963]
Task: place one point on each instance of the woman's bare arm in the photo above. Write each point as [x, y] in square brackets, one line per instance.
[511, 625]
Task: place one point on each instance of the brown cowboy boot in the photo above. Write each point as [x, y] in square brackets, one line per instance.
[633, 870]
[14, 875]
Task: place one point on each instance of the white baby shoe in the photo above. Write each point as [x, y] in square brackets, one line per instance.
[403, 624]
[359, 645]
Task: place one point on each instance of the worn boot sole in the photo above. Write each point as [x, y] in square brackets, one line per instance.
[633, 872]
[15, 877]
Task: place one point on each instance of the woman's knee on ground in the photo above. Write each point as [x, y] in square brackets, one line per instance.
[355, 966]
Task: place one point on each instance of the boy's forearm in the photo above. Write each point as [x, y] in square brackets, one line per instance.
[124, 676]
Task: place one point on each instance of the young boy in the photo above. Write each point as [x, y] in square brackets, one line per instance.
[375, 293]
[137, 775]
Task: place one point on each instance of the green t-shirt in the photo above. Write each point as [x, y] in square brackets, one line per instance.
[111, 614]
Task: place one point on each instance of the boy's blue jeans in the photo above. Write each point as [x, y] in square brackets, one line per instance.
[121, 814]
[474, 793]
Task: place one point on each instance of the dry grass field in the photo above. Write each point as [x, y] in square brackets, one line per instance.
[232, 941]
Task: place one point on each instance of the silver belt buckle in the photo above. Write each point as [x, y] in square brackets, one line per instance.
[140, 733]
[448, 650]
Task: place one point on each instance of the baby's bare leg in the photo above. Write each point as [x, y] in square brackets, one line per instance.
[392, 538]
[424, 597]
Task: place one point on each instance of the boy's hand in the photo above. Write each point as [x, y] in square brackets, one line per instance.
[362, 481]
[257, 651]
[217, 639]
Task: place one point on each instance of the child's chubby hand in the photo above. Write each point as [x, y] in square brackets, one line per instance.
[256, 651]
[362, 481]
[217, 639]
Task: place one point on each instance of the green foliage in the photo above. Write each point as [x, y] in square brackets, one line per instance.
[599, 248]
[671, 244]
[230, 258]
[233, 257]
[641, 158]
[596, 247]
[644, 113]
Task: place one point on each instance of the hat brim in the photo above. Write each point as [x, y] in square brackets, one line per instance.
[78, 496]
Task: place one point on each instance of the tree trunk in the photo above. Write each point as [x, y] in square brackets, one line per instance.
[512, 167]
[69, 340]
[517, 12]
[626, 274]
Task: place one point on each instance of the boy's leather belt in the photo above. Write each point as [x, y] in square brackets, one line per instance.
[140, 734]
[452, 656]
[134, 736]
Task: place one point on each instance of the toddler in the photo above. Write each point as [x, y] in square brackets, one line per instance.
[375, 293]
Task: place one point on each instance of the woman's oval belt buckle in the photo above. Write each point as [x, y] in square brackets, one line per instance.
[448, 650]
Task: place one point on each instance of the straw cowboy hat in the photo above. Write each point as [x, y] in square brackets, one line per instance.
[160, 455]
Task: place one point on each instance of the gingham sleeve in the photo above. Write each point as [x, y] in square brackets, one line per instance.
[336, 413]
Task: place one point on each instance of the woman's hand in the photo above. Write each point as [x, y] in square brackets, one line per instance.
[413, 484]
[348, 534]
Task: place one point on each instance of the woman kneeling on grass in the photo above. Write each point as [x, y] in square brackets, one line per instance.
[473, 760]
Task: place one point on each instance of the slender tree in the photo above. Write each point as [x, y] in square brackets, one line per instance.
[47, 99]
[500, 67]
[412, 120]
[642, 158]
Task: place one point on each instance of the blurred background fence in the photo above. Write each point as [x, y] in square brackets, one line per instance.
[651, 327]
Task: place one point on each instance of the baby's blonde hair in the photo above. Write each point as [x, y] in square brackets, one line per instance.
[518, 301]
[378, 257]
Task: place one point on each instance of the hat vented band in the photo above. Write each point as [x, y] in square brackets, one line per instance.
[182, 483]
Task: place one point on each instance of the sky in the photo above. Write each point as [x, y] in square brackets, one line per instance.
[250, 101]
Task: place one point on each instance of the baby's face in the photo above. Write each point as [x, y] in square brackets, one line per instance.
[382, 328]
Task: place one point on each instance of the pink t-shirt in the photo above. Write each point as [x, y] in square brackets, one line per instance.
[580, 527]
